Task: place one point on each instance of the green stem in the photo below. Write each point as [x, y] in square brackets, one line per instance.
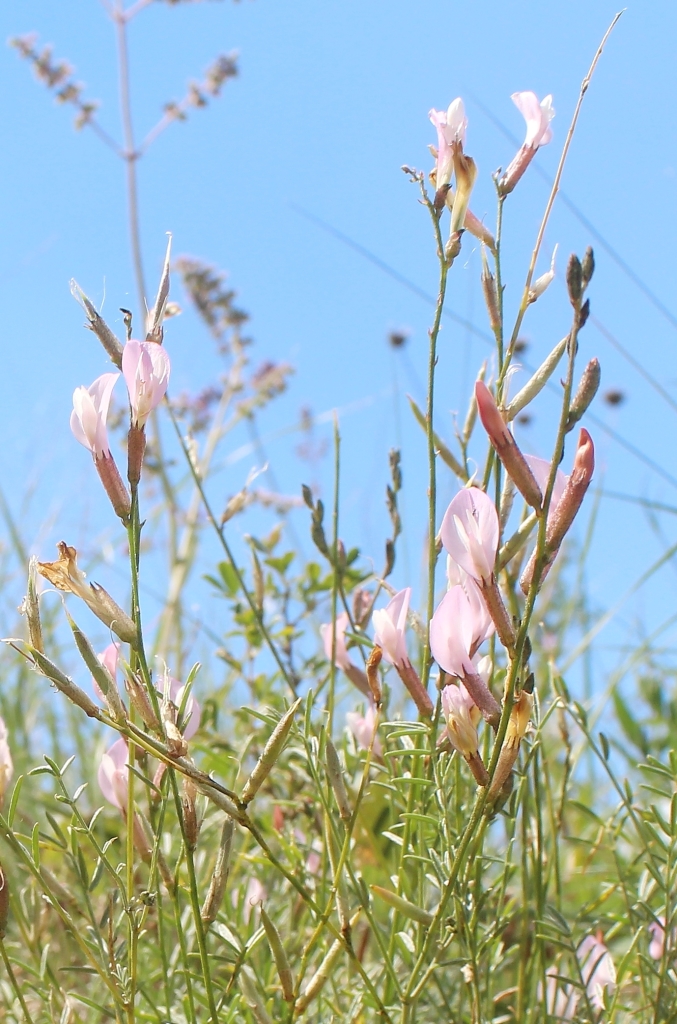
[14, 983]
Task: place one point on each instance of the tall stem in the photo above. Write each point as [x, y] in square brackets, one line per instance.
[130, 155]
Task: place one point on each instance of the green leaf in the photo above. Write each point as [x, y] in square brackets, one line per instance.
[630, 726]
[229, 577]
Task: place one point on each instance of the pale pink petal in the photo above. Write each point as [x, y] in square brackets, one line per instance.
[109, 659]
[452, 629]
[146, 367]
[445, 154]
[113, 774]
[537, 115]
[390, 625]
[597, 970]
[541, 471]
[470, 532]
[362, 728]
[90, 411]
[657, 932]
[342, 658]
[6, 765]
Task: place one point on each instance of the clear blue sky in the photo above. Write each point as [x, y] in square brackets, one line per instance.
[332, 99]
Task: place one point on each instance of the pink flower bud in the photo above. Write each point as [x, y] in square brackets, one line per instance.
[341, 656]
[145, 366]
[506, 448]
[90, 411]
[6, 766]
[362, 728]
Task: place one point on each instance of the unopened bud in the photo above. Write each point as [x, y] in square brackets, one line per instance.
[506, 447]
[259, 583]
[574, 279]
[585, 392]
[410, 910]
[157, 313]
[565, 511]
[453, 246]
[588, 266]
[584, 314]
[440, 199]
[471, 415]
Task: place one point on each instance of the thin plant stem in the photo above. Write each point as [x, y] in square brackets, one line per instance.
[14, 983]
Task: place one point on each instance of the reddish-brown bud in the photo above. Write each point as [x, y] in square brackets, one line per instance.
[505, 446]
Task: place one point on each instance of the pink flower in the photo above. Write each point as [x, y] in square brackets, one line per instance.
[362, 728]
[457, 629]
[537, 115]
[597, 970]
[341, 656]
[541, 470]
[451, 127]
[657, 932]
[470, 532]
[254, 894]
[113, 774]
[463, 717]
[6, 766]
[90, 411]
[145, 366]
[390, 624]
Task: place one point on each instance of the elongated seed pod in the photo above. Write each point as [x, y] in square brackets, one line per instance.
[280, 956]
[271, 752]
[217, 886]
[251, 994]
[319, 979]
[537, 382]
[409, 910]
[63, 683]
[31, 607]
[101, 674]
[335, 774]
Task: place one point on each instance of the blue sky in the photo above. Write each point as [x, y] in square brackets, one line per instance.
[332, 99]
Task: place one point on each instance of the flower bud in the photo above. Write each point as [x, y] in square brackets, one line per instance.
[585, 392]
[574, 279]
[191, 823]
[141, 703]
[373, 662]
[544, 281]
[520, 716]
[587, 266]
[284, 972]
[465, 170]
[506, 447]
[490, 294]
[98, 325]
[31, 607]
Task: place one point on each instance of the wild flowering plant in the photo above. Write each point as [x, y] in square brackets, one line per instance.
[366, 805]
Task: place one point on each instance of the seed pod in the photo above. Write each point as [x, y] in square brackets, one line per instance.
[537, 382]
[252, 997]
[31, 606]
[373, 662]
[335, 775]
[98, 325]
[191, 822]
[490, 294]
[409, 910]
[217, 886]
[280, 956]
[102, 676]
[141, 703]
[319, 979]
[271, 752]
[63, 683]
